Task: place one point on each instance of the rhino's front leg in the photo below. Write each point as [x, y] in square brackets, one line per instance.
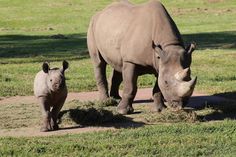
[45, 108]
[55, 112]
[116, 80]
[130, 88]
[158, 104]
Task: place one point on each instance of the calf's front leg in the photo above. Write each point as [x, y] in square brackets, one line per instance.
[46, 115]
[55, 112]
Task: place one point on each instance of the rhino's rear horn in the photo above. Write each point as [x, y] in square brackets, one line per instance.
[183, 75]
[186, 88]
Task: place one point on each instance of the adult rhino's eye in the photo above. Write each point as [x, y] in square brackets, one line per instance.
[50, 80]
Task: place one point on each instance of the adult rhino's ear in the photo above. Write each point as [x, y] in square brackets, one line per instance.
[191, 47]
[158, 50]
[45, 67]
[65, 65]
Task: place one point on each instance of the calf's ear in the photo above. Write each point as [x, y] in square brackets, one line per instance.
[65, 65]
[191, 47]
[45, 67]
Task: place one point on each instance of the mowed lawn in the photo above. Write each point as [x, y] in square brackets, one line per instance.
[32, 32]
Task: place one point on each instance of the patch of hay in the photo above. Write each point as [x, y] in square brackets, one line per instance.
[169, 116]
[107, 103]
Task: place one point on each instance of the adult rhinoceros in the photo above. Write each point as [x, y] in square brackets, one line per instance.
[136, 40]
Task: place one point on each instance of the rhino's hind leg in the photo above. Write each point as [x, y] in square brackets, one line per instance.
[116, 80]
[100, 75]
[130, 88]
[45, 108]
[158, 104]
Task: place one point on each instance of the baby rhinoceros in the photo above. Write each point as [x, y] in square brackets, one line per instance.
[51, 91]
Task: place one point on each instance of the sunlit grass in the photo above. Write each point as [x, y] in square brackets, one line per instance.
[27, 38]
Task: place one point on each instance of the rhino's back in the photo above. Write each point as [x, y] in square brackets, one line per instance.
[124, 32]
[110, 29]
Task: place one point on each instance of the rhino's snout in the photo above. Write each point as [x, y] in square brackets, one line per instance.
[56, 86]
[175, 105]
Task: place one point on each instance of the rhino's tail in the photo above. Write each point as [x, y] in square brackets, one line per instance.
[90, 38]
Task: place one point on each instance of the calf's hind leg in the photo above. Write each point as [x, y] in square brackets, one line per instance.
[116, 80]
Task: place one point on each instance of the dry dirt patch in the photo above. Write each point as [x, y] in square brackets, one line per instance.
[143, 99]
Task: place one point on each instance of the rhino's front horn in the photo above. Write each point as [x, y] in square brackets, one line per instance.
[186, 88]
[183, 75]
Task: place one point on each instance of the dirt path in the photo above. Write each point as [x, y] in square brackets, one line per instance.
[143, 96]
[34, 132]
[82, 96]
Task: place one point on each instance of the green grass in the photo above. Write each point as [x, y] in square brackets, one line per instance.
[216, 139]
[32, 32]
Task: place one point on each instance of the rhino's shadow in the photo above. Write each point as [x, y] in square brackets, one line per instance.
[213, 40]
[228, 95]
[223, 104]
[71, 46]
[97, 117]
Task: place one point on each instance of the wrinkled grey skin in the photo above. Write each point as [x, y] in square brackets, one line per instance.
[136, 40]
[51, 91]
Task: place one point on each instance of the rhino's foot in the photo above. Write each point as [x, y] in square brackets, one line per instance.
[103, 97]
[125, 110]
[158, 108]
[47, 126]
[44, 129]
